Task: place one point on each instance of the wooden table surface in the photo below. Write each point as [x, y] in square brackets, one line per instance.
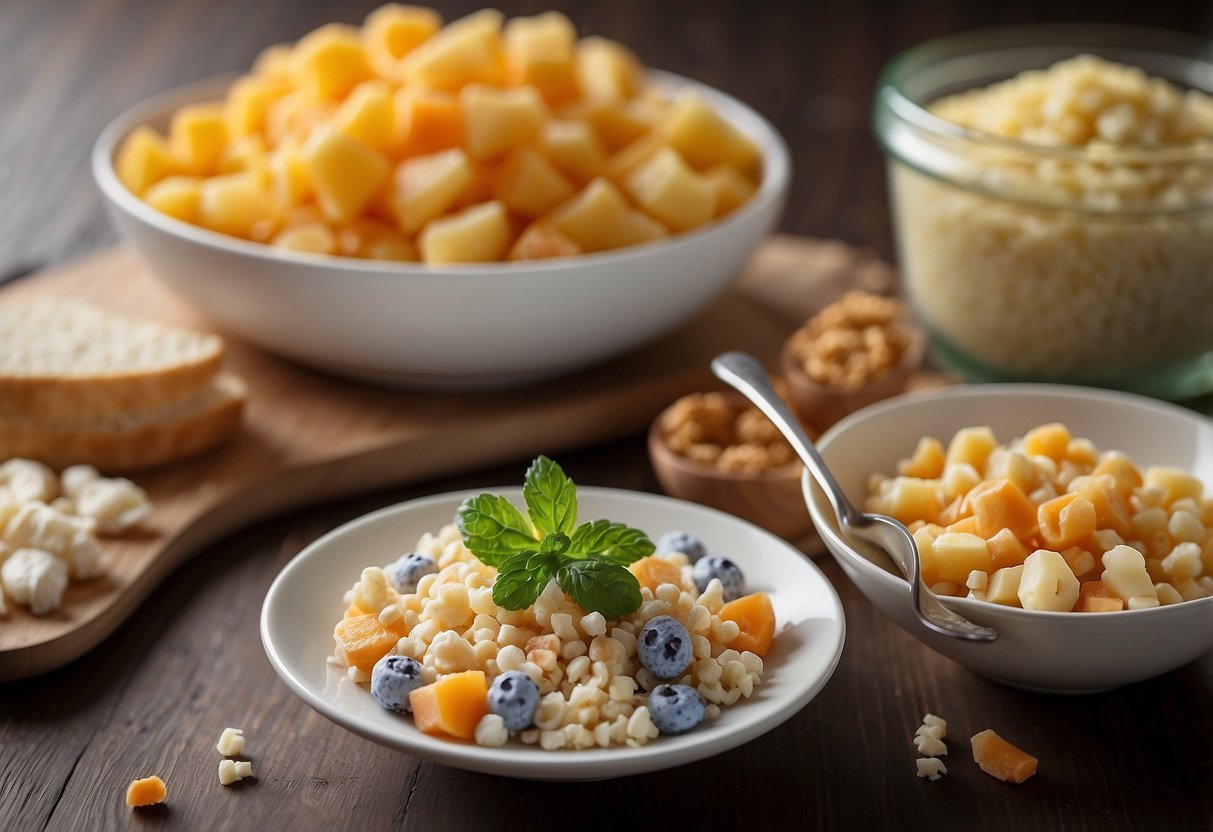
[155, 696]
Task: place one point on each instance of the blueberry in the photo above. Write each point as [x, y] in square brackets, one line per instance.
[688, 544]
[676, 709]
[409, 569]
[725, 570]
[514, 697]
[664, 647]
[392, 679]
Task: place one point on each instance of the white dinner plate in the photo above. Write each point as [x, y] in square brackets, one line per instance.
[304, 604]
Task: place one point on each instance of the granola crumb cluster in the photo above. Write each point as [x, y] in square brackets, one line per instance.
[853, 341]
[714, 429]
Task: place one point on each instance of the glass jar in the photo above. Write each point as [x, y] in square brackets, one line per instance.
[1088, 264]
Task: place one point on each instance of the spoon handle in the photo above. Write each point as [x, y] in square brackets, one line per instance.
[749, 377]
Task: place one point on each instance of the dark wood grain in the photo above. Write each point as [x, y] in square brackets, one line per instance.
[154, 698]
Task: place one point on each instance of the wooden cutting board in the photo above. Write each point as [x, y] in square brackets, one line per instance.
[309, 437]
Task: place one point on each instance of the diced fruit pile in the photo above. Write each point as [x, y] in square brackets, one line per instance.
[438, 634]
[482, 140]
[1048, 522]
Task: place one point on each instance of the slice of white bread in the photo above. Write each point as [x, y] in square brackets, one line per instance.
[60, 357]
[133, 440]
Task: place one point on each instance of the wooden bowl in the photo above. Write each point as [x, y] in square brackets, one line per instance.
[820, 406]
[770, 498]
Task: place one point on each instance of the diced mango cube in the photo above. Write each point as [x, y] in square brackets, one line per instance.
[600, 218]
[451, 706]
[331, 61]
[606, 69]
[733, 188]
[426, 121]
[999, 504]
[248, 102]
[1122, 469]
[957, 554]
[968, 525]
[972, 446]
[1095, 596]
[478, 234]
[625, 160]
[236, 204]
[290, 177]
[496, 121]
[530, 185]
[425, 187]
[928, 458]
[1003, 586]
[197, 136]
[1000, 759]
[705, 139]
[374, 240]
[667, 188]
[364, 640]
[346, 174]
[147, 791]
[466, 51]
[392, 31]
[143, 160]
[1111, 508]
[294, 116]
[176, 196]
[1049, 440]
[313, 238]
[1003, 463]
[1065, 520]
[1006, 549]
[910, 498]
[246, 154]
[367, 116]
[573, 147]
[541, 240]
[539, 52]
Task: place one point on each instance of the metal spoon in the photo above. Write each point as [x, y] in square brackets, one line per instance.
[746, 374]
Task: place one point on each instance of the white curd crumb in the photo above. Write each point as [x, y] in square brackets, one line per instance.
[491, 731]
[231, 742]
[930, 746]
[35, 578]
[931, 768]
[227, 772]
[244, 769]
[931, 719]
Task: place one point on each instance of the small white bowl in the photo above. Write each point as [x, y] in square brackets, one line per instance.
[459, 327]
[1044, 651]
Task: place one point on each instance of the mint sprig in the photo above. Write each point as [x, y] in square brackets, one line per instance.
[588, 561]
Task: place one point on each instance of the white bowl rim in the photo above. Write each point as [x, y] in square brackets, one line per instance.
[776, 173]
[827, 525]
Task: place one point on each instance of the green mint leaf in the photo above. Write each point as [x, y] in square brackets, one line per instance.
[555, 544]
[551, 497]
[599, 585]
[612, 541]
[520, 579]
[493, 529]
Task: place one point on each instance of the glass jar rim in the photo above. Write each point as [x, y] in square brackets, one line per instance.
[1176, 47]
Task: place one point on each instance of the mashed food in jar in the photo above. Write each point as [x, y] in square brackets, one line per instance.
[1076, 249]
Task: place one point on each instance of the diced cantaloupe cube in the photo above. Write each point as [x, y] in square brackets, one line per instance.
[972, 446]
[529, 184]
[147, 791]
[197, 136]
[475, 235]
[600, 218]
[1006, 549]
[606, 69]
[236, 204]
[331, 61]
[704, 138]
[364, 640]
[1065, 520]
[1176, 483]
[625, 160]
[143, 160]
[290, 178]
[495, 121]
[451, 706]
[392, 31]
[1095, 596]
[573, 147]
[1003, 586]
[755, 618]
[733, 189]
[426, 121]
[248, 102]
[345, 174]
[313, 238]
[367, 116]
[1001, 505]
[467, 51]
[928, 458]
[541, 240]
[539, 51]
[176, 196]
[1001, 760]
[957, 554]
[1047, 583]
[374, 240]
[1049, 440]
[425, 187]
[654, 571]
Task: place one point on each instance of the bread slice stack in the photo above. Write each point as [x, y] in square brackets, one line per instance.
[82, 385]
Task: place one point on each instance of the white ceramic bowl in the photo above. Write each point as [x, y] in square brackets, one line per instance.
[1045, 651]
[473, 326]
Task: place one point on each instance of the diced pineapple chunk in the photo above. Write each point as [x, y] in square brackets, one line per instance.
[617, 123]
[248, 102]
[426, 121]
[392, 31]
[622, 162]
[346, 174]
[1006, 549]
[1125, 472]
[1003, 463]
[290, 179]
[1003, 586]
[910, 499]
[314, 238]
[1047, 583]
[143, 160]
[1125, 573]
[539, 52]
[197, 136]
[972, 445]
[542, 240]
[176, 196]
[235, 203]
[1080, 561]
[733, 189]
[331, 61]
[1065, 520]
[669, 190]
[926, 462]
[374, 240]
[496, 121]
[1049, 440]
[600, 218]
[425, 187]
[246, 154]
[606, 69]
[958, 554]
[367, 116]
[1175, 483]
[530, 185]
[704, 138]
[293, 117]
[573, 147]
[478, 234]
[466, 51]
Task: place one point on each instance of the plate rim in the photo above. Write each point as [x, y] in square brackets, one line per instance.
[587, 764]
